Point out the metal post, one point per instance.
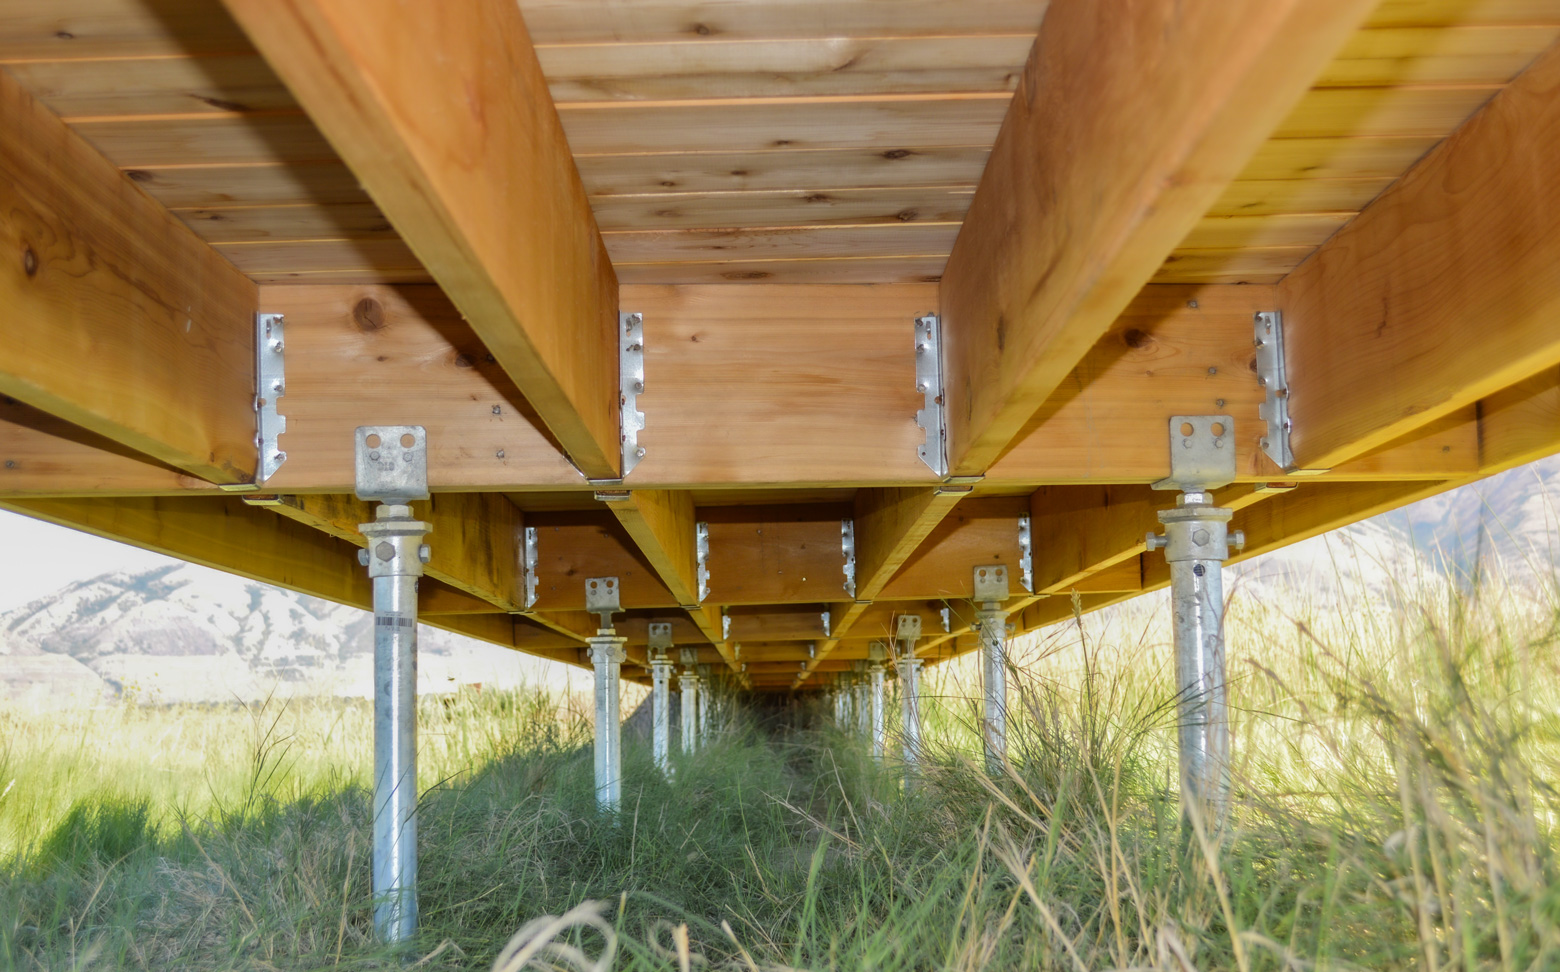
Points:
(705, 697)
(607, 654)
(392, 469)
(661, 694)
(908, 632)
(877, 655)
(991, 591)
(1196, 546)
(910, 708)
(1196, 542)
(688, 682)
(661, 711)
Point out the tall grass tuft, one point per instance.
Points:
(1394, 807)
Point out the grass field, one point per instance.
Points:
(1395, 808)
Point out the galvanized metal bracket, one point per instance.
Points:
(828, 623)
(947, 620)
(1268, 336)
(631, 379)
(391, 463)
(929, 382)
(1202, 453)
(908, 628)
(990, 584)
(848, 547)
(270, 385)
(701, 538)
(660, 634)
(528, 567)
(601, 598)
(1026, 555)
(725, 628)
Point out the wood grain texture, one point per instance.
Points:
(796, 207)
(802, 271)
(980, 531)
(250, 184)
(41, 455)
(1431, 110)
(662, 524)
(781, 243)
(767, 67)
(1066, 228)
(445, 117)
(1520, 424)
(117, 318)
(820, 170)
(1467, 235)
(885, 122)
(476, 538)
(205, 138)
(890, 525)
(411, 361)
(154, 85)
(1437, 55)
(598, 21)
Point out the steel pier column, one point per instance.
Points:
(877, 655)
(688, 683)
(1196, 546)
(991, 590)
(1196, 542)
(910, 709)
(392, 469)
(661, 711)
(607, 654)
(704, 705)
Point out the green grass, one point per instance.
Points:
(1395, 808)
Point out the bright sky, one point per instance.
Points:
(41, 558)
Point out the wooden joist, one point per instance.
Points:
(1067, 226)
(444, 116)
(117, 318)
(1443, 291)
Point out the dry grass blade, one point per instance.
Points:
(535, 945)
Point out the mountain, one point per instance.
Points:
(183, 633)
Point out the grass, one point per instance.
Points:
(1395, 807)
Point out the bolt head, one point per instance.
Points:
(1200, 537)
(385, 550)
(424, 553)
(363, 557)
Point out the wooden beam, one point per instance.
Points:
(890, 525)
(1441, 292)
(1126, 127)
(475, 542)
(661, 523)
(443, 114)
(118, 318)
(1520, 424)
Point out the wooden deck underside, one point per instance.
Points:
(780, 187)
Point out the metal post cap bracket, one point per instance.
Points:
(1202, 453)
(391, 463)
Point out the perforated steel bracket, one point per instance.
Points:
(660, 634)
(528, 567)
(1026, 555)
(601, 598)
(848, 546)
(391, 463)
(270, 385)
(725, 627)
(828, 622)
(947, 620)
(1202, 453)
(1268, 336)
(929, 382)
(908, 628)
(631, 378)
(991, 583)
(701, 535)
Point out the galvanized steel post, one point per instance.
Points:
(688, 683)
(606, 655)
(877, 656)
(661, 694)
(391, 468)
(991, 591)
(1196, 542)
(907, 633)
